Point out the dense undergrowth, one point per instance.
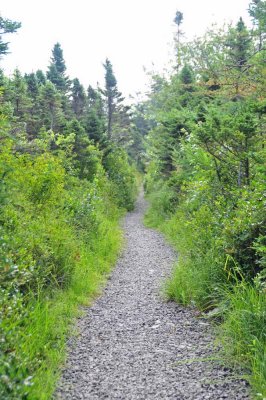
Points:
(59, 238)
(221, 265)
(206, 185)
(209, 275)
(65, 182)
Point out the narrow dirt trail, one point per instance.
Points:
(133, 345)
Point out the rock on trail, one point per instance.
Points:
(134, 345)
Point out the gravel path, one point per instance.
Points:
(133, 345)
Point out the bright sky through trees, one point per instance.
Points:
(132, 34)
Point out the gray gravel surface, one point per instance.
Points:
(134, 345)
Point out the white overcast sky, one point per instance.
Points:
(132, 33)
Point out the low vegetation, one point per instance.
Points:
(206, 184)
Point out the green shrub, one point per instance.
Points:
(199, 272)
(244, 230)
(123, 177)
(162, 200)
(59, 236)
(221, 264)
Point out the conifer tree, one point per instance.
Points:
(57, 69)
(6, 26)
(239, 45)
(186, 75)
(239, 52)
(40, 76)
(78, 98)
(178, 21)
(19, 94)
(32, 85)
(113, 96)
(257, 10)
(80, 146)
(51, 107)
(33, 91)
(95, 118)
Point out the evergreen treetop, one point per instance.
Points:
(6, 26)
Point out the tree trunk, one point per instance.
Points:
(110, 117)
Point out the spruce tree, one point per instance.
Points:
(78, 98)
(186, 75)
(95, 117)
(239, 51)
(33, 91)
(178, 21)
(32, 85)
(113, 96)
(6, 26)
(19, 94)
(57, 69)
(50, 102)
(257, 11)
(239, 45)
(40, 76)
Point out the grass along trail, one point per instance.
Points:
(134, 345)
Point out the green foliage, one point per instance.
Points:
(63, 188)
(193, 228)
(6, 26)
(94, 121)
(113, 100)
(206, 184)
(243, 333)
(140, 126)
(186, 75)
(57, 69)
(78, 98)
(163, 201)
(58, 237)
(257, 10)
(123, 177)
(239, 42)
(51, 112)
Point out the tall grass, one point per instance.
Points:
(243, 332)
(207, 276)
(59, 237)
(38, 329)
(197, 275)
(51, 320)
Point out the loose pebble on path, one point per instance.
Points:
(134, 345)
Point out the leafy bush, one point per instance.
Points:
(221, 265)
(219, 232)
(200, 272)
(123, 177)
(244, 230)
(58, 237)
